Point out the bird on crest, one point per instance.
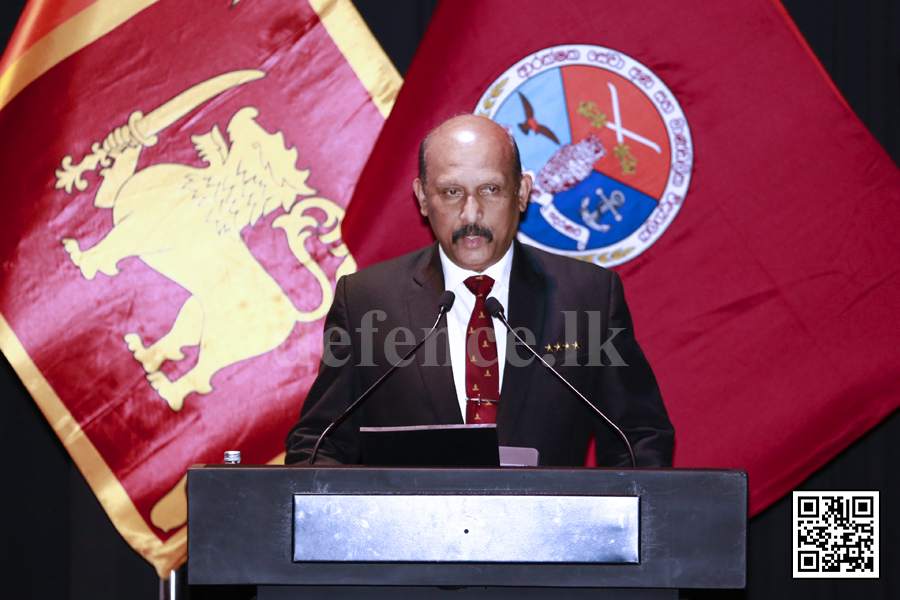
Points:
(531, 123)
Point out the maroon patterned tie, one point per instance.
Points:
(482, 370)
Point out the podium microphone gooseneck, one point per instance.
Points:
(444, 305)
(496, 309)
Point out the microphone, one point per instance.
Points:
(444, 305)
(496, 309)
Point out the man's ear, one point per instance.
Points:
(419, 191)
(524, 192)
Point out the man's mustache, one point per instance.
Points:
(473, 229)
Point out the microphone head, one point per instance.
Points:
(494, 307)
(446, 302)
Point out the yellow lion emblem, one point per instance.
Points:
(186, 222)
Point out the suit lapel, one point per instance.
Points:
(527, 305)
(423, 307)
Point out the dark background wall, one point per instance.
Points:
(57, 543)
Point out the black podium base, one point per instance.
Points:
(331, 592)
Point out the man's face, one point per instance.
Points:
(470, 197)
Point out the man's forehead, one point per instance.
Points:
(465, 153)
(450, 170)
(471, 165)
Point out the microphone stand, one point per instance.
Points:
(496, 309)
(446, 302)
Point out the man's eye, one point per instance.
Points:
(491, 189)
(453, 193)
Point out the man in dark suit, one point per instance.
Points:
(472, 191)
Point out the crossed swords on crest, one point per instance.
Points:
(616, 126)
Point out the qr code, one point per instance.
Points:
(836, 534)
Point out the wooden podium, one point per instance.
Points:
(460, 534)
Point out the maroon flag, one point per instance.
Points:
(704, 154)
(176, 174)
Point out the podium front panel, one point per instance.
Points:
(692, 525)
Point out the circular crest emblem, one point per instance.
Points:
(606, 143)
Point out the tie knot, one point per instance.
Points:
(480, 285)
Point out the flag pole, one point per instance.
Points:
(173, 587)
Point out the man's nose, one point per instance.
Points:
(471, 209)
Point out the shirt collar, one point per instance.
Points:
(455, 275)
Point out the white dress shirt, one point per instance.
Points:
(461, 312)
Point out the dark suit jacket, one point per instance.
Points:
(535, 410)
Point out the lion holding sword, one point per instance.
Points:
(185, 223)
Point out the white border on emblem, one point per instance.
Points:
(680, 142)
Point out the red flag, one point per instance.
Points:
(176, 174)
(705, 155)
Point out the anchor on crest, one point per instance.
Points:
(611, 203)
